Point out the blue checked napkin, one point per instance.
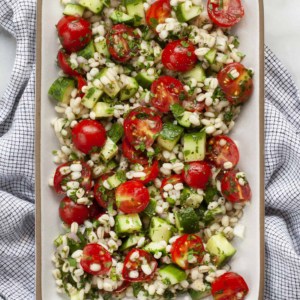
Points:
(17, 275)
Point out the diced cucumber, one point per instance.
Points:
(210, 193)
(76, 296)
(190, 198)
(130, 242)
(194, 146)
(91, 97)
(197, 73)
(116, 179)
(212, 214)
(115, 132)
(150, 209)
(101, 48)
(126, 224)
(217, 66)
(87, 52)
(155, 247)
(169, 136)
(181, 115)
(130, 88)
(186, 220)
(109, 150)
(160, 230)
(110, 166)
(135, 8)
(198, 295)
(184, 13)
(61, 89)
(210, 56)
(74, 10)
(172, 274)
(220, 249)
(120, 17)
(103, 110)
(93, 5)
(144, 79)
(112, 88)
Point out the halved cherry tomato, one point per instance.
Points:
(74, 33)
(237, 90)
(179, 56)
(166, 91)
(95, 210)
(173, 179)
(141, 127)
(187, 251)
(81, 82)
(193, 105)
(158, 12)
(133, 155)
(102, 195)
(197, 174)
(222, 149)
(61, 180)
(122, 42)
(95, 260)
(232, 189)
(70, 212)
(64, 63)
(125, 284)
(225, 13)
(132, 197)
(134, 261)
(87, 135)
(229, 286)
(151, 171)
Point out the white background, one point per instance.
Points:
(282, 25)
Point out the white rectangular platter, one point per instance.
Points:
(248, 133)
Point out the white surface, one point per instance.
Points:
(282, 27)
(247, 260)
(7, 58)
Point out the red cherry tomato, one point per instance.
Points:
(88, 134)
(232, 189)
(166, 91)
(70, 212)
(173, 179)
(229, 286)
(74, 33)
(187, 251)
(101, 194)
(237, 90)
(132, 197)
(134, 261)
(95, 260)
(158, 12)
(61, 179)
(133, 155)
(193, 105)
(122, 288)
(197, 174)
(95, 211)
(151, 171)
(122, 42)
(222, 149)
(81, 82)
(64, 63)
(179, 56)
(141, 127)
(225, 13)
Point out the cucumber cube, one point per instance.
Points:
(127, 224)
(172, 274)
(194, 146)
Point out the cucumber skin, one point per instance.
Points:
(59, 87)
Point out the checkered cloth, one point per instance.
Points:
(17, 169)
(17, 156)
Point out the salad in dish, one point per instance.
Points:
(152, 195)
